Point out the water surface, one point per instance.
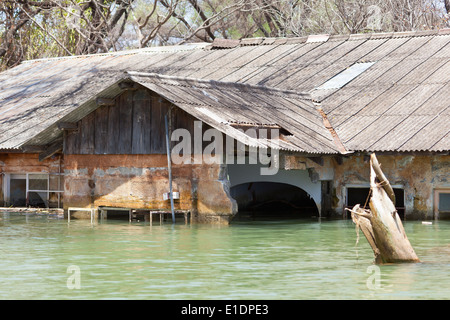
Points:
(290, 259)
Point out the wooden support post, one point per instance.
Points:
(169, 165)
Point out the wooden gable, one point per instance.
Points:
(132, 124)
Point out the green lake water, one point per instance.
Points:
(43, 258)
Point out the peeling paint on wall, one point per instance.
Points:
(418, 174)
(139, 181)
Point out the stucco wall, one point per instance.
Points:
(139, 181)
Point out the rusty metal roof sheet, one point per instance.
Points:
(409, 77)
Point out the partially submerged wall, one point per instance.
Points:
(417, 174)
(139, 181)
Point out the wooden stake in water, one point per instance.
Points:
(169, 166)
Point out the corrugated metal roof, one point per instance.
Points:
(221, 104)
(410, 77)
(392, 106)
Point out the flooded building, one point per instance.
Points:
(279, 126)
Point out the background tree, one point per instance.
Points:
(36, 29)
(48, 28)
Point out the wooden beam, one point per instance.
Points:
(51, 150)
(105, 102)
(127, 85)
(32, 149)
(68, 126)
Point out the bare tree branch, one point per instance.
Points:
(202, 15)
(47, 32)
(32, 28)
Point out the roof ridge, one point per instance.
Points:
(158, 49)
(303, 95)
(220, 43)
(232, 43)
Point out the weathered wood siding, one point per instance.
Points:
(133, 125)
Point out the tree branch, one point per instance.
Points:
(47, 32)
(202, 15)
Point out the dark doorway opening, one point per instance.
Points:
(272, 200)
(361, 196)
(18, 193)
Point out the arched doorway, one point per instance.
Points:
(288, 193)
(272, 200)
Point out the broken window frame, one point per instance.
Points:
(27, 175)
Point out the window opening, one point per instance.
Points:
(34, 189)
(360, 195)
(442, 204)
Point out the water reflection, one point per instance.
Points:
(292, 259)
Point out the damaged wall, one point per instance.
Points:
(139, 181)
(116, 158)
(418, 174)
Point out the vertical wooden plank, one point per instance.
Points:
(72, 141)
(113, 128)
(157, 125)
(87, 134)
(172, 121)
(141, 143)
(101, 130)
(186, 121)
(64, 148)
(125, 123)
(147, 132)
(68, 142)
